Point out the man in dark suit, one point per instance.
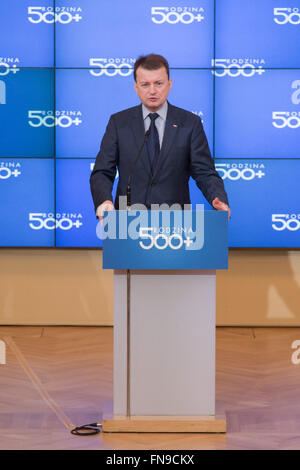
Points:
(174, 148)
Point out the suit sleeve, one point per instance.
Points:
(104, 172)
(202, 166)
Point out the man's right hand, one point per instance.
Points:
(105, 206)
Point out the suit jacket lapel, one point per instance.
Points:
(171, 129)
(138, 128)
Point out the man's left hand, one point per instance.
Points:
(221, 206)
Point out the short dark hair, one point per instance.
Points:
(151, 62)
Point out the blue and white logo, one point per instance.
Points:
(238, 67)
(283, 16)
(38, 118)
(112, 67)
(159, 229)
(9, 65)
(10, 169)
(165, 239)
(289, 222)
(235, 171)
(51, 221)
(49, 15)
(174, 15)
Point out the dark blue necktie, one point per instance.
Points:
(153, 141)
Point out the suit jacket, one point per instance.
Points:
(184, 153)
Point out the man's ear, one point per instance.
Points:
(170, 82)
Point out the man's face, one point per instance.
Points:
(152, 87)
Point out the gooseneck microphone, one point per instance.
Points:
(128, 190)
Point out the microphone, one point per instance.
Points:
(128, 190)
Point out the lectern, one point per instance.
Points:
(164, 318)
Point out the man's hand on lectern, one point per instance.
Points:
(105, 206)
(221, 206)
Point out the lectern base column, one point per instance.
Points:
(164, 352)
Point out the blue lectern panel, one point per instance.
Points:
(82, 116)
(76, 220)
(26, 113)
(258, 116)
(120, 31)
(264, 200)
(165, 240)
(258, 30)
(27, 202)
(27, 33)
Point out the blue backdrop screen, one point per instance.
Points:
(67, 65)
(115, 33)
(264, 200)
(258, 116)
(74, 208)
(27, 113)
(258, 33)
(27, 33)
(27, 209)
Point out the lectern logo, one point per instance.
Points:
(161, 228)
(175, 15)
(289, 222)
(2, 352)
(284, 16)
(63, 15)
(162, 239)
(112, 66)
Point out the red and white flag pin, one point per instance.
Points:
(175, 125)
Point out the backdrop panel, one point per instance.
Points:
(107, 34)
(258, 116)
(76, 220)
(27, 113)
(27, 202)
(258, 32)
(27, 33)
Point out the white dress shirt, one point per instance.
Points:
(160, 122)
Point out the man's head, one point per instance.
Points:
(152, 82)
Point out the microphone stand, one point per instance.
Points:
(128, 189)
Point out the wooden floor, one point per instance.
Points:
(56, 377)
